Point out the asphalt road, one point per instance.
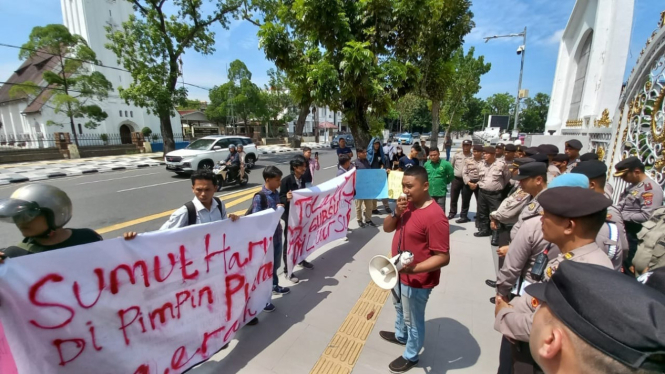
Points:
(142, 200)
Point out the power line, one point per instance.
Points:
(50, 88)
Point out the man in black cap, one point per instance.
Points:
(471, 175)
(550, 150)
(638, 201)
(573, 148)
(499, 151)
(612, 236)
(593, 320)
(531, 151)
(509, 153)
(457, 185)
(590, 156)
(571, 219)
(561, 162)
(519, 152)
(494, 176)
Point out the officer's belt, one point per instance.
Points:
(491, 192)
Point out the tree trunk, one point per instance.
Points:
(359, 128)
(434, 139)
(300, 126)
(167, 132)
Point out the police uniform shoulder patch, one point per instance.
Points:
(648, 198)
(521, 196)
(568, 256)
(532, 206)
(609, 216)
(535, 303)
(647, 186)
(634, 192)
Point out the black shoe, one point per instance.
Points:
(401, 365)
(491, 283)
(375, 211)
(482, 233)
(493, 299)
(388, 210)
(370, 223)
(225, 346)
(361, 224)
(463, 220)
(452, 215)
(306, 265)
(390, 336)
(253, 322)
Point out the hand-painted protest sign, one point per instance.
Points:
(395, 184)
(160, 303)
(319, 215)
(371, 184)
(7, 364)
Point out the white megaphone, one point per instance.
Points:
(384, 271)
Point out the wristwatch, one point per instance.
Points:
(392, 214)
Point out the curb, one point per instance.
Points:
(69, 173)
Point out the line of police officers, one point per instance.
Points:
(513, 203)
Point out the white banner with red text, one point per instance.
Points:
(158, 304)
(319, 215)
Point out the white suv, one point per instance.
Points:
(204, 153)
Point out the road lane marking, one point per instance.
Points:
(114, 179)
(329, 167)
(122, 225)
(153, 185)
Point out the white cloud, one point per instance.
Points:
(556, 37)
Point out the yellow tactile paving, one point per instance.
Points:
(346, 345)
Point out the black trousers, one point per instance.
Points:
(456, 187)
(523, 362)
(441, 200)
(286, 245)
(632, 229)
(505, 357)
(488, 201)
(467, 192)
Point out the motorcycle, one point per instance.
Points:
(223, 176)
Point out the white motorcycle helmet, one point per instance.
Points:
(29, 201)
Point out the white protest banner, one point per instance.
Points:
(158, 304)
(319, 215)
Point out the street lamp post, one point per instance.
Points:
(521, 50)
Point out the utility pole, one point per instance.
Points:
(521, 50)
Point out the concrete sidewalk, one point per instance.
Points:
(330, 321)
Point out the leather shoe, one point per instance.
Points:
(452, 215)
(493, 299)
(482, 233)
(490, 283)
(463, 220)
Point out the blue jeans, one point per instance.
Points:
(447, 154)
(410, 322)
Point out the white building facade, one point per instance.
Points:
(321, 115)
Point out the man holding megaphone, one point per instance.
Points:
(421, 231)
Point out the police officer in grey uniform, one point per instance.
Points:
(470, 177)
(494, 176)
(509, 153)
(456, 187)
(573, 147)
(576, 242)
(612, 236)
(561, 162)
(637, 202)
(550, 150)
(500, 147)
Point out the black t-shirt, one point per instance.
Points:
(405, 162)
(78, 237)
(307, 177)
(377, 163)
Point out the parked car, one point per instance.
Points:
(425, 137)
(405, 138)
(204, 153)
(349, 141)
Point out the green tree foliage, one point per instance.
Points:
(278, 101)
(190, 105)
(473, 118)
(501, 104)
(72, 86)
(407, 107)
(151, 43)
(534, 115)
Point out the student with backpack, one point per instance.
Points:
(268, 198)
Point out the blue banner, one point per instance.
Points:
(371, 184)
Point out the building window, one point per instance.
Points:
(110, 15)
(126, 114)
(120, 78)
(80, 129)
(131, 114)
(120, 113)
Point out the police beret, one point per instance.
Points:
(521, 161)
(629, 164)
(510, 148)
(589, 156)
(491, 150)
(561, 157)
(478, 147)
(500, 145)
(574, 144)
(611, 312)
(569, 180)
(541, 157)
(467, 142)
(548, 149)
(592, 169)
(572, 202)
(530, 169)
(520, 148)
(531, 151)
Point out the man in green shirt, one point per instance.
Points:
(439, 173)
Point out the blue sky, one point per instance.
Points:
(545, 20)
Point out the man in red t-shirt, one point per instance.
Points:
(421, 227)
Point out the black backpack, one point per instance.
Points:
(191, 211)
(264, 203)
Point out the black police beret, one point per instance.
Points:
(572, 202)
(574, 144)
(467, 142)
(500, 145)
(510, 147)
(530, 169)
(520, 148)
(541, 157)
(548, 149)
(521, 161)
(531, 151)
(592, 169)
(611, 312)
(589, 156)
(561, 157)
(491, 150)
(478, 147)
(629, 164)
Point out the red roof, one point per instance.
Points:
(31, 70)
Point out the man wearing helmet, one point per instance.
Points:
(40, 211)
(233, 162)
